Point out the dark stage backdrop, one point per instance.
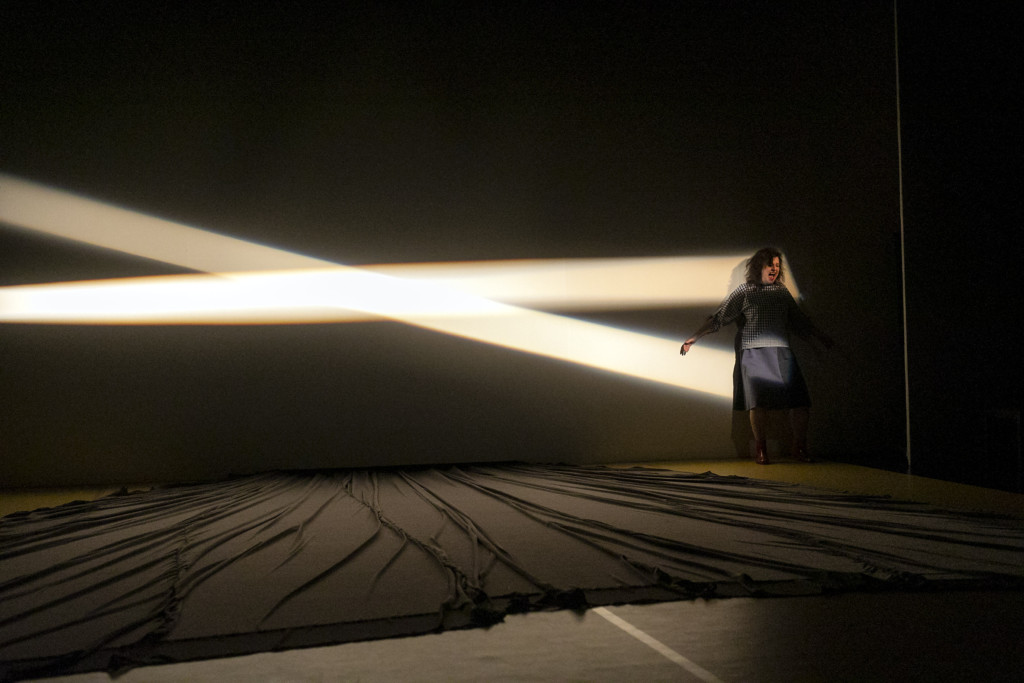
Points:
(376, 134)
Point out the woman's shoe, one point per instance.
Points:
(762, 453)
(800, 453)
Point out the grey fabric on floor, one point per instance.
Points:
(285, 560)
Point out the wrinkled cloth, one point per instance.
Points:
(282, 560)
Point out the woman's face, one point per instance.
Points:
(770, 272)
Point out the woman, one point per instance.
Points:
(767, 376)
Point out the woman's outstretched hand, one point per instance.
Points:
(686, 346)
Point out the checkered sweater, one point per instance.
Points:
(764, 313)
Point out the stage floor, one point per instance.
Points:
(909, 637)
(934, 636)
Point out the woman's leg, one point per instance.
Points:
(758, 424)
(798, 420)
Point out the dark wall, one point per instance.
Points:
(960, 69)
(376, 135)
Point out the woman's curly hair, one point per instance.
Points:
(759, 260)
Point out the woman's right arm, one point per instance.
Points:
(707, 328)
(727, 312)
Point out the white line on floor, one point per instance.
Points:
(660, 647)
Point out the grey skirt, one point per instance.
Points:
(768, 378)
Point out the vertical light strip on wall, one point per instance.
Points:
(903, 238)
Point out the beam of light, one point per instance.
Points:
(208, 299)
(63, 214)
(586, 284)
(430, 305)
(306, 295)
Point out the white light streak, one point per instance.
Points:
(316, 295)
(658, 646)
(63, 214)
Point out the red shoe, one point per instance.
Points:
(762, 453)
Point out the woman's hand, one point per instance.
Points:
(686, 346)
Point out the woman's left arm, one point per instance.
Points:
(806, 329)
(819, 334)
